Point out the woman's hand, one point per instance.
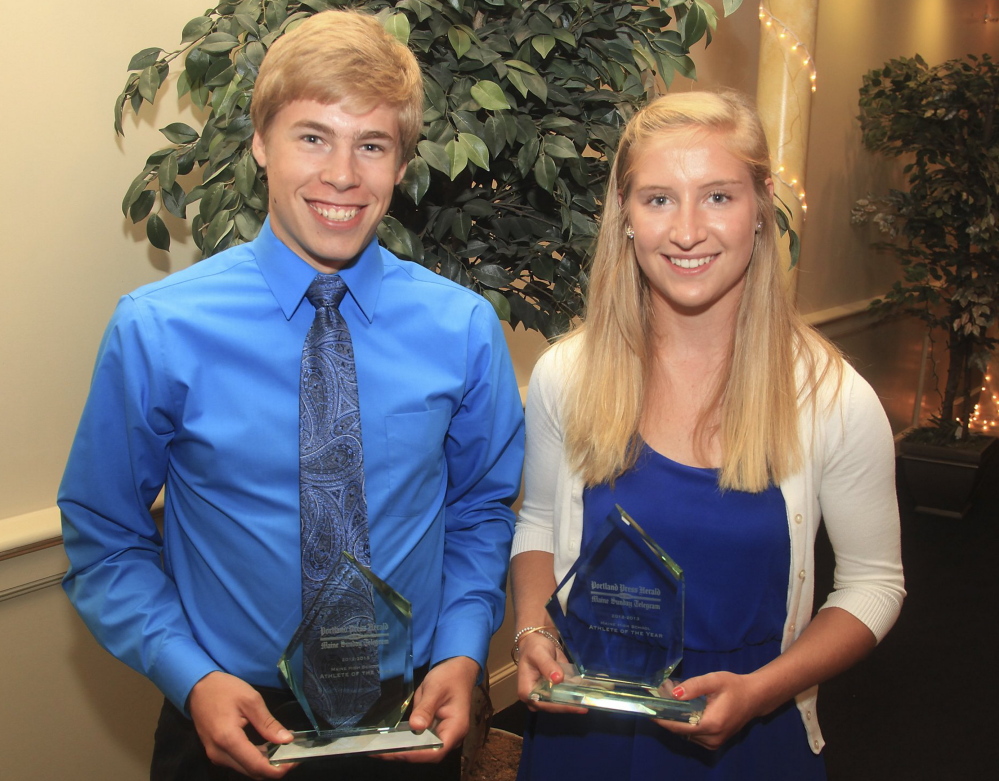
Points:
(733, 700)
(540, 659)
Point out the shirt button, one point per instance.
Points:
(801, 575)
(798, 518)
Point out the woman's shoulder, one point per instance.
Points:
(828, 378)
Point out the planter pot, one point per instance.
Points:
(944, 479)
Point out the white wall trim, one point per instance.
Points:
(21, 534)
(844, 319)
(503, 686)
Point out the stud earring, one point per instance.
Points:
(759, 226)
(629, 232)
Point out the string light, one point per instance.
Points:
(800, 52)
(785, 33)
(985, 416)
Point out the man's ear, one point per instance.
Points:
(402, 171)
(259, 150)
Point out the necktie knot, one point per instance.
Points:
(326, 290)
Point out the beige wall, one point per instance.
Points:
(68, 254)
(838, 268)
(68, 709)
(853, 37)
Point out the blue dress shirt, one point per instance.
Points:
(196, 388)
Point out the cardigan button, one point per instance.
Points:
(808, 715)
(798, 518)
(790, 629)
(816, 744)
(801, 575)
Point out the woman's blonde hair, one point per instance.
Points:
(758, 394)
(338, 56)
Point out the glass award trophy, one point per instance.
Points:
(619, 610)
(352, 678)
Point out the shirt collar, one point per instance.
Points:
(288, 276)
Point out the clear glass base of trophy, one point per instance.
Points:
(618, 696)
(314, 745)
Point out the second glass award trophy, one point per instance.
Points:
(353, 678)
(619, 610)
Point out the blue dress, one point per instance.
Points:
(734, 550)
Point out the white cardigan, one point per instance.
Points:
(848, 480)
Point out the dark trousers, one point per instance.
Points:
(178, 754)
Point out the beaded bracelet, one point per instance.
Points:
(541, 630)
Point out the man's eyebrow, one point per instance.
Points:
(364, 135)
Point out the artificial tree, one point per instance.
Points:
(525, 101)
(944, 227)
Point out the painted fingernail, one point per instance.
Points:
(678, 692)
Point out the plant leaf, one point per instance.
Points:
(246, 174)
(559, 146)
(543, 44)
(456, 157)
(219, 43)
(490, 96)
(174, 201)
(461, 42)
(475, 149)
(149, 83)
(435, 155)
(168, 171)
(416, 181)
(157, 233)
(179, 133)
(137, 186)
(545, 172)
(198, 27)
(217, 229)
(399, 240)
(144, 59)
(141, 206)
(248, 223)
(490, 275)
(499, 302)
(397, 25)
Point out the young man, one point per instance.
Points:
(197, 389)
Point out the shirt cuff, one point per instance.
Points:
(178, 668)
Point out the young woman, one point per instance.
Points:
(695, 397)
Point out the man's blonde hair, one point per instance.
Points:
(345, 56)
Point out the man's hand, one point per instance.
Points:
(221, 706)
(445, 696)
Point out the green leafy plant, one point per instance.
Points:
(942, 229)
(525, 101)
